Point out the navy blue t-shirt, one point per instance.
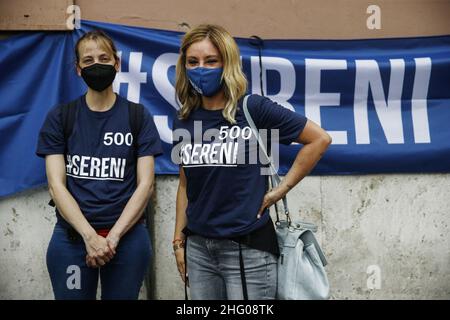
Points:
(225, 193)
(101, 158)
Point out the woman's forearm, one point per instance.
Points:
(65, 202)
(70, 211)
(133, 210)
(136, 205)
(181, 220)
(181, 205)
(305, 161)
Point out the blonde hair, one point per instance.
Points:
(234, 81)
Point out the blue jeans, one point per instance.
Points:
(121, 278)
(214, 271)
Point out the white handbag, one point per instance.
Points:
(301, 272)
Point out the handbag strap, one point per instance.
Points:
(308, 228)
(275, 178)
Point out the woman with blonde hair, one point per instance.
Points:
(222, 219)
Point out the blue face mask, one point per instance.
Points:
(206, 81)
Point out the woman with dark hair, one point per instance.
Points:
(99, 153)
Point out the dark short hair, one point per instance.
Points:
(96, 35)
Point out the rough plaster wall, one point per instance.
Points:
(397, 223)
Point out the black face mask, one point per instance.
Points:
(98, 76)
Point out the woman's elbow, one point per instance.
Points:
(151, 188)
(51, 191)
(326, 139)
(56, 191)
(147, 186)
(323, 140)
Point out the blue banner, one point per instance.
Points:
(385, 102)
